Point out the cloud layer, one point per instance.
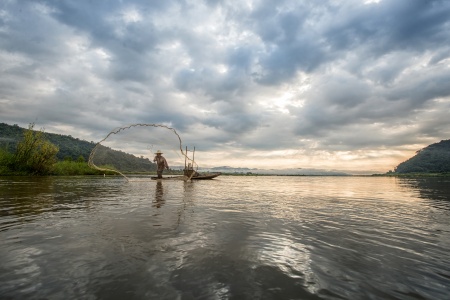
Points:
(350, 85)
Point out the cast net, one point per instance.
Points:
(130, 150)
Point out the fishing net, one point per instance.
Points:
(130, 150)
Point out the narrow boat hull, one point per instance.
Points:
(197, 177)
(205, 176)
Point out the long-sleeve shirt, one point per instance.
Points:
(161, 162)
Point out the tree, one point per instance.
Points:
(34, 154)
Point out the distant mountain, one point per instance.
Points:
(73, 148)
(434, 158)
(291, 171)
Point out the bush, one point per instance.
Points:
(5, 161)
(34, 154)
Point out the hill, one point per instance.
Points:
(434, 158)
(69, 147)
(122, 161)
(72, 148)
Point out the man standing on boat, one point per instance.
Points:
(161, 163)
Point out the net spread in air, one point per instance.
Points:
(131, 149)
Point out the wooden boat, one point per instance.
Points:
(197, 176)
(193, 174)
(200, 176)
(168, 178)
(189, 172)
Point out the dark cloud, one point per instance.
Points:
(259, 75)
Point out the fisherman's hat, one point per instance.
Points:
(159, 152)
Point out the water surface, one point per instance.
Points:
(229, 238)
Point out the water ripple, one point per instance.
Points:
(234, 237)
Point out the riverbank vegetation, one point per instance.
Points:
(69, 168)
(35, 155)
(70, 159)
(71, 148)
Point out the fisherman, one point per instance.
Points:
(161, 163)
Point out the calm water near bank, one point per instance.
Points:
(227, 238)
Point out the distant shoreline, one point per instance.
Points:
(92, 172)
(412, 175)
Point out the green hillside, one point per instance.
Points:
(10, 136)
(434, 158)
(72, 148)
(122, 161)
(69, 147)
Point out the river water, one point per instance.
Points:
(233, 237)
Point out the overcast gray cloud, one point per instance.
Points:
(343, 84)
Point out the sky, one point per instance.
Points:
(351, 85)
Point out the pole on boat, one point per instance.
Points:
(185, 156)
(193, 152)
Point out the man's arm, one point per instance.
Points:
(165, 162)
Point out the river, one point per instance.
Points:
(234, 237)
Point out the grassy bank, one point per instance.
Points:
(70, 168)
(58, 168)
(67, 168)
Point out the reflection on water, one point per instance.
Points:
(159, 194)
(229, 238)
(435, 189)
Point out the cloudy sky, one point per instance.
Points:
(354, 85)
